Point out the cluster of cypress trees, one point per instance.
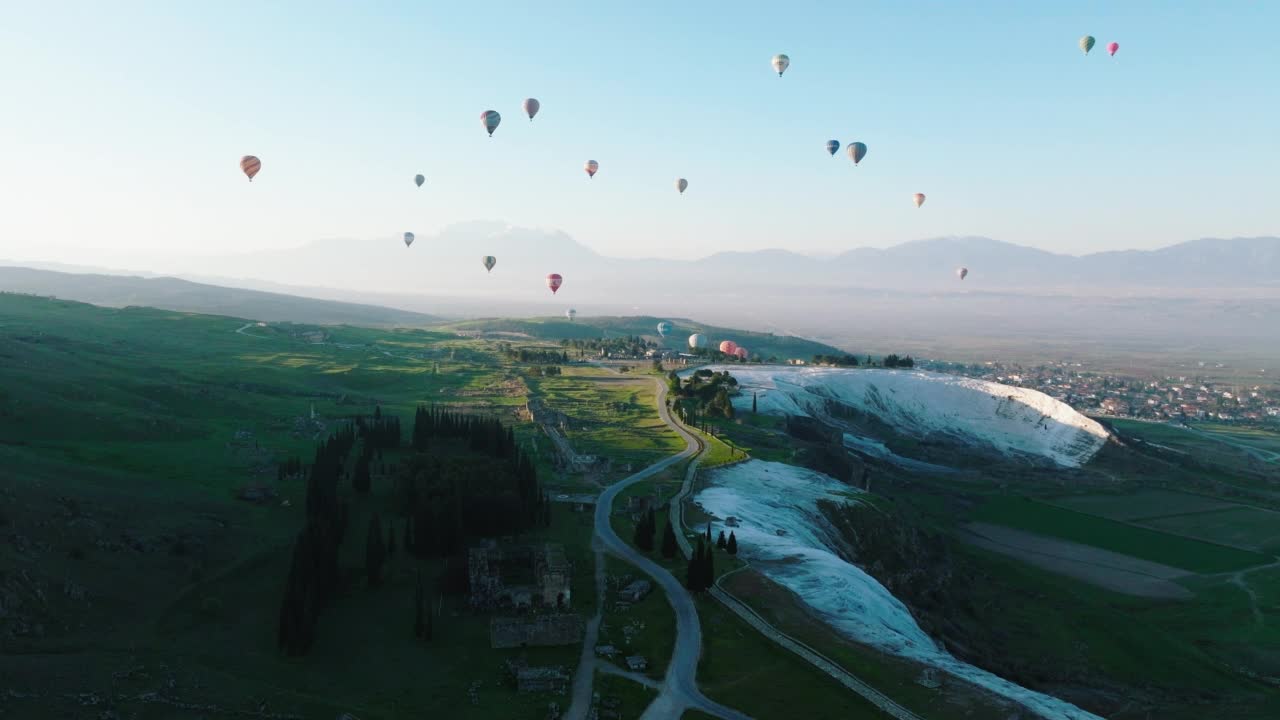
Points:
(288, 468)
(643, 537)
(700, 574)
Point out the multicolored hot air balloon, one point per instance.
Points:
(833, 147)
(697, 340)
(664, 328)
(857, 151)
(554, 281)
(489, 261)
(490, 120)
(531, 107)
(1112, 47)
(419, 179)
(591, 166)
(728, 347)
(571, 314)
(250, 165)
(1086, 43)
(408, 239)
(962, 273)
(781, 63)
(681, 184)
(919, 199)
(741, 352)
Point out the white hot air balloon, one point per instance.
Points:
(781, 63)
(408, 239)
(697, 341)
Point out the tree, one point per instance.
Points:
(408, 535)
(668, 541)
(691, 573)
(377, 412)
(708, 532)
(644, 531)
(419, 619)
(374, 552)
(731, 547)
(720, 541)
(391, 538)
(709, 570)
(362, 481)
(753, 403)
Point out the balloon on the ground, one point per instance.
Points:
(857, 151)
(489, 261)
(728, 347)
(697, 340)
(962, 273)
(664, 328)
(781, 63)
(591, 166)
(554, 281)
(681, 184)
(408, 239)
(1086, 43)
(833, 147)
(531, 106)
(250, 165)
(571, 314)
(490, 120)
(918, 198)
(419, 179)
(1112, 47)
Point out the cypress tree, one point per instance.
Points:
(720, 541)
(753, 403)
(709, 570)
(408, 535)
(708, 532)
(374, 552)
(419, 623)
(430, 624)
(391, 538)
(732, 546)
(691, 574)
(668, 541)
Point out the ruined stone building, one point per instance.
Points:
(521, 577)
(536, 630)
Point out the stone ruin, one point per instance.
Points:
(536, 631)
(519, 577)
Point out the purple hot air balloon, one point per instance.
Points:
(1112, 47)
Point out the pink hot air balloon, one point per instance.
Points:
(1112, 47)
(728, 347)
(591, 166)
(554, 281)
(741, 352)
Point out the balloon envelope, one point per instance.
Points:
(531, 106)
(919, 199)
(833, 147)
(418, 180)
(664, 328)
(408, 239)
(781, 63)
(697, 340)
(250, 165)
(681, 184)
(571, 313)
(962, 272)
(1112, 48)
(489, 261)
(490, 120)
(857, 151)
(554, 281)
(741, 352)
(728, 347)
(1086, 43)
(591, 166)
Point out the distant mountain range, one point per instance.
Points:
(180, 295)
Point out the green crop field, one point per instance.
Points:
(1244, 527)
(1142, 504)
(1044, 519)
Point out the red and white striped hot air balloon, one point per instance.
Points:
(554, 281)
(250, 165)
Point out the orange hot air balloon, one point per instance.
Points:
(250, 165)
(728, 347)
(554, 281)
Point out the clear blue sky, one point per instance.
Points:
(122, 123)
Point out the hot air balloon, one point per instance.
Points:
(857, 151)
(664, 328)
(419, 179)
(919, 198)
(1086, 43)
(489, 261)
(250, 165)
(554, 281)
(728, 347)
(1112, 47)
(962, 273)
(833, 147)
(697, 340)
(408, 239)
(531, 106)
(741, 352)
(490, 120)
(781, 63)
(571, 314)
(681, 184)
(591, 166)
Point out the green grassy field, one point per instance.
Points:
(1130, 506)
(1243, 527)
(1045, 519)
(1262, 439)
